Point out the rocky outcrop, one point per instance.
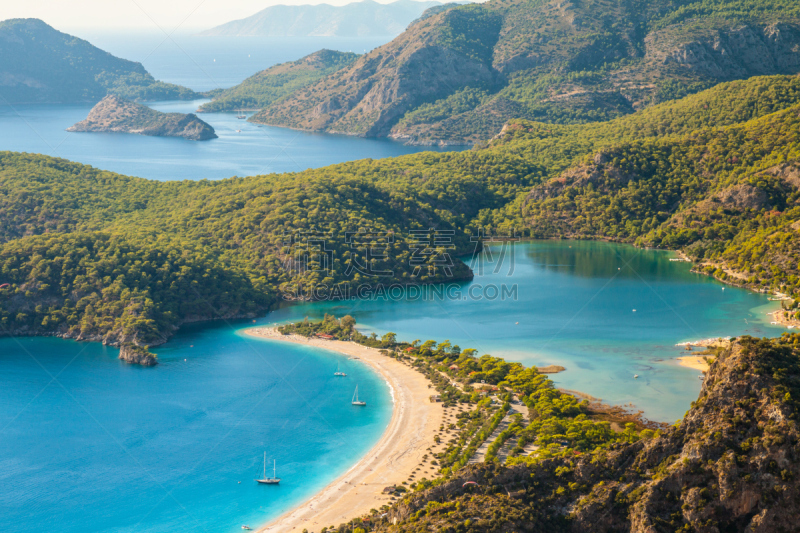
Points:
(115, 114)
(731, 465)
(599, 174)
(742, 196)
(729, 53)
(788, 173)
(137, 355)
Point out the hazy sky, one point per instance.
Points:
(141, 14)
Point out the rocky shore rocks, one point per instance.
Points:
(137, 355)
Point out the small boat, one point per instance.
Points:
(248, 528)
(241, 115)
(636, 376)
(356, 400)
(268, 480)
(339, 372)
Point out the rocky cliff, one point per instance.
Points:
(137, 355)
(731, 465)
(457, 76)
(115, 114)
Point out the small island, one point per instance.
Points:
(137, 355)
(116, 114)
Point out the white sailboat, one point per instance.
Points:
(356, 400)
(268, 480)
(339, 372)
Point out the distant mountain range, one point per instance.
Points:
(457, 76)
(359, 19)
(39, 64)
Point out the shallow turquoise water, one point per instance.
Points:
(575, 307)
(90, 444)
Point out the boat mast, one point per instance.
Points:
(264, 475)
(274, 472)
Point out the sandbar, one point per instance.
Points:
(410, 433)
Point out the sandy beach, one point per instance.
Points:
(415, 420)
(781, 318)
(694, 361)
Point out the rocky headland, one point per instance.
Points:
(115, 114)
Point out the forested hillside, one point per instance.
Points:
(39, 64)
(268, 86)
(459, 75)
(714, 174)
(729, 465)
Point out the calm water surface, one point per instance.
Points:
(201, 63)
(604, 311)
(242, 149)
(90, 444)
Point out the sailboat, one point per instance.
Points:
(355, 399)
(339, 372)
(241, 114)
(268, 480)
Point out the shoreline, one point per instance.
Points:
(779, 318)
(700, 361)
(397, 456)
(393, 459)
(696, 362)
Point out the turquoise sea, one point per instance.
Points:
(604, 311)
(89, 444)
